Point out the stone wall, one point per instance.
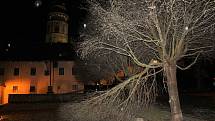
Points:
(37, 98)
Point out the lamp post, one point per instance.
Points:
(49, 69)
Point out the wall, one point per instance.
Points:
(61, 83)
(37, 98)
(1, 94)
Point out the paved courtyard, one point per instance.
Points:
(199, 111)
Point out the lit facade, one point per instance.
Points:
(34, 77)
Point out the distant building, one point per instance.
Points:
(41, 69)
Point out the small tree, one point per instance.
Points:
(154, 35)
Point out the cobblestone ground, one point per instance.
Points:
(65, 112)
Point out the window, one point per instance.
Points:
(46, 72)
(74, 87)
(63, 28)
(33, 71)
(16, 72)
(74, 72)
(1, 71)
(15, 89)
(32, 89)
(55, 64)
(61, 71)
(58, 87)
(56, 28)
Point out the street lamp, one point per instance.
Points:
(85, 25)
(38, 3)
(50, 88)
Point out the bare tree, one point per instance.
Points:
(154, 35)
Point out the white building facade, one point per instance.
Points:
(35, 77)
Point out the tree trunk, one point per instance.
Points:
(176, 113)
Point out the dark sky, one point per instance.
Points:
(22, 21)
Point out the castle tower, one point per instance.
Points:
(57, 25)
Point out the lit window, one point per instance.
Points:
(15, 88)
(33, 71)
(61, 71)
(74, 87)
(1, 71)
(32, 89)
(16, 72)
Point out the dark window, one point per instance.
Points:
(74, 87)
(15, 88)
(32, 89)
(55, 64)
(56, 28)
(16, 71)
(33, 71)
(61, 71)
(63, 28)
(58, 87)
(50, 39)
(74, 72)
(46, 72)
(1, 71)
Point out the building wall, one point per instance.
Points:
(21, 84)
(1, 94)
(56, 38)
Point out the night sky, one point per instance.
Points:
(23, 22)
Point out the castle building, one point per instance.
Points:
(42, 69)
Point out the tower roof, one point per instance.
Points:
(57, 10)
(58, 6)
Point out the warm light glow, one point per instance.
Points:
(155, 61)
(21, 86)
(104, 82)
(120, 74)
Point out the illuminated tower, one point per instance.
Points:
(57, 25)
